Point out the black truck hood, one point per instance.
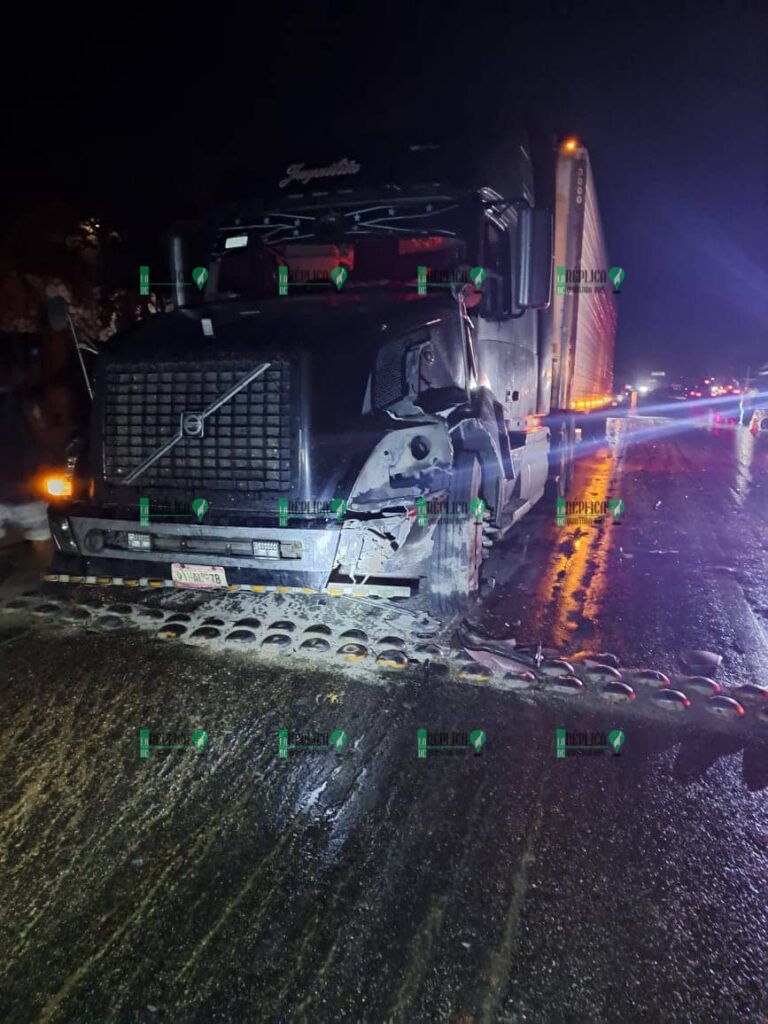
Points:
(336, 341)
(241, 328)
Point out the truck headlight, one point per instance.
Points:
(140, 541)
(95, 541)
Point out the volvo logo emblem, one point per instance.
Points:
(192, 424)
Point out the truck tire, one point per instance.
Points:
(457, 554)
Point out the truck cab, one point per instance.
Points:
(350, 404)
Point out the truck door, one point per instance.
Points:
(506, 341)
(496, 360)
(497, 261)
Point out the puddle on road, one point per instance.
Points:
(564, 584)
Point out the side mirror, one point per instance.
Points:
(58, 314)
(534, 258)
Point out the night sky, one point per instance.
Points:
(142, 120)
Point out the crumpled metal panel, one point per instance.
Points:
(392, 473)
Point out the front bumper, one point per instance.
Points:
(304, 558)
(386, 590)
(96, 546)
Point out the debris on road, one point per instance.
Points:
(373, 637)
(701, 662)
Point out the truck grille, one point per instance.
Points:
(247, 444)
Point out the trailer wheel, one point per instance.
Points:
(457, 555)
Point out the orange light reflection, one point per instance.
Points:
(572, 586)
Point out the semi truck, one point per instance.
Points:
(367, 382)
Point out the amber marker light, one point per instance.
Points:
(57, 485)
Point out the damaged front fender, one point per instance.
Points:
(405, 464)
(392, 546)
(380, 535)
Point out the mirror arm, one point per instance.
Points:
(504, 204)
(80, 357)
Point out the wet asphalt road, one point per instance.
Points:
(373, 886)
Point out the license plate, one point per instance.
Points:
(198, 577)
(266, 549)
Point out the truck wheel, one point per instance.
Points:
(457, 555)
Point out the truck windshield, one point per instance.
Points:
(338, 253)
